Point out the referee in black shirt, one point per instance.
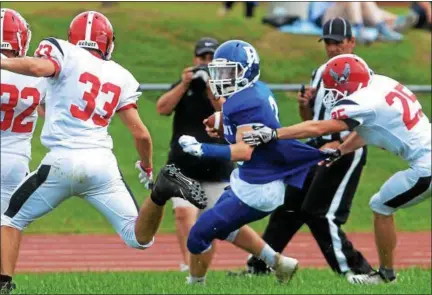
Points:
(324, 202)
(192, 101)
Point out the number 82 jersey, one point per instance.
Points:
(85, 92)
(20, 97)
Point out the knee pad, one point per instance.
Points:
(129, 238)
(197, 242)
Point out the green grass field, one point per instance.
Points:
(307, 281)
(155, 41)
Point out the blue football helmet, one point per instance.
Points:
(235, 66)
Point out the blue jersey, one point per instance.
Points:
(283, 159)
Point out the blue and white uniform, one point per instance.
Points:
(260, 181)
(257, 186)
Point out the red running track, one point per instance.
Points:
(65, 253)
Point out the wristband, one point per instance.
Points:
(216, 151)
(146, 170)
(275, 135)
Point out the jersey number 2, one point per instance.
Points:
(90, 98)
(8, 108)
(274, 107)
(404, 95)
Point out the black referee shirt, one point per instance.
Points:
(319, 110)
(189, 114)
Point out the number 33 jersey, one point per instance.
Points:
(386, 114)
(85, 93)
(20, 97)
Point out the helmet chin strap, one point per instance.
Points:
(20, 50)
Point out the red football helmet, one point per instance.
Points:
(92, 30)
(15, 32)
(343, 75)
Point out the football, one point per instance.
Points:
(215, 121)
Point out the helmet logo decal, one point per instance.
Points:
(252, 56)
(345, 74)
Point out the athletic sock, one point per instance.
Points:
(388, 273)
(156, 200)
(268, 255)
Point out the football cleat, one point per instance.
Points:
(254, 267)
(171, 182)
(286, 268)
(373, 278)
(7, 287)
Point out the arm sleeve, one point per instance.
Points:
(130, 94)
(352, 113)
(51, 49)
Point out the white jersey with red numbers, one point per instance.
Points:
(20, 96)
(86, 92)
(386, 114)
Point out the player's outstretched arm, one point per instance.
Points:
(239, 151)
(311, 129)
(139, 131)
(353, 142)
(261, 134)
(29, 66)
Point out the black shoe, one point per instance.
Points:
(254, 266)
(6, 288)
(170, 182)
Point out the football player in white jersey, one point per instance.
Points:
(20, 98)
(383, 113)
(86, 89)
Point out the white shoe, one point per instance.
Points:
(195, 281)
(285, 268)
(374, 278)
(184, 267)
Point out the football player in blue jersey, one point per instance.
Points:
(257, 186)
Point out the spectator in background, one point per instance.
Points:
(360, 14)
(419, 17)
(249, 8)
(107, 4)
(192, 101)
(317, 11)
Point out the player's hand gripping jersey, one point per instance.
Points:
(386, 114)
(85, 93)
(284, 159)
(20, 97)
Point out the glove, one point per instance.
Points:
(190, 145)
(333, 156)
(145, 176)
(261, 134)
